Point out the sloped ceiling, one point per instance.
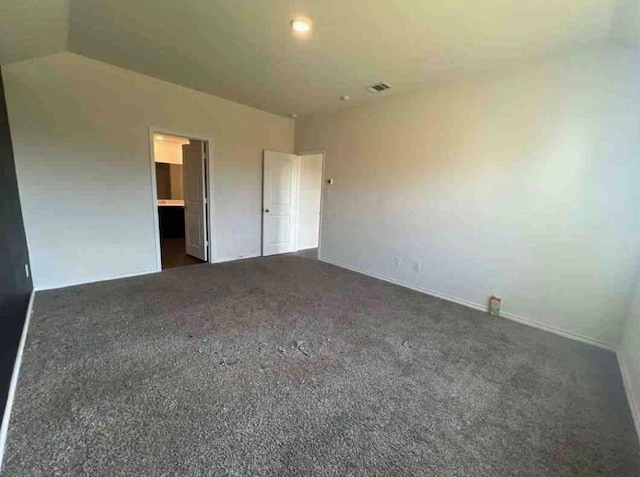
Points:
(244, 50)
(30, 28)
(627, 24)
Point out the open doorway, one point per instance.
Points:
(309, 204)
(292, 203)
(180, 171)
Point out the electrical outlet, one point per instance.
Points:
(494, 305)
(397, 261)
(416, 266)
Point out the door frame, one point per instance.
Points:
(210, 216)
(323, 153)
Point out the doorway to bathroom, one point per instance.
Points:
(180, 180)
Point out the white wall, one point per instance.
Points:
(167, 151)
(81, 141)
(309, 200)
(629, 355)
(522, 183)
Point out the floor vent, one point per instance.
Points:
(378, 87)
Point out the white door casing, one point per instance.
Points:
(195, 205)
(279, 202)
(309, 200)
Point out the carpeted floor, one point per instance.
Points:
(289, 366)
(307, 253)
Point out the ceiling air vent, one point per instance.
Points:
(378, 87)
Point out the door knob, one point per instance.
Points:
(266, 211)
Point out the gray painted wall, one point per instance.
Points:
(15, 286)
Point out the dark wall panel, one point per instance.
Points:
(15, 286)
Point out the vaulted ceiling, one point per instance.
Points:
(245, 51)
(30, 28)
(626, 28)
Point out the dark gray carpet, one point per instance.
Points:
(289, 366)
(308, 253)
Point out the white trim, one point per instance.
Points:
(13, 386)
(559, 331)
(323, 186)
(209, 186)
(154, 200)
(233, 259)
(626, 381)
(296, 247)
(94, 280)
(477, 306)
(296, 208)
(210, 202)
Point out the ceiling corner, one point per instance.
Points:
(32, 28)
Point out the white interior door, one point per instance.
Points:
(195, 204)
(279, 203)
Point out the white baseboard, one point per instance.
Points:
(94, 280)
(478, 306)
(559, 331)
(4, 430)
(633, 403)
(233, 259)
(305, 247)
(130, 275)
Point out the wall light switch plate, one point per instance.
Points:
(397, 261)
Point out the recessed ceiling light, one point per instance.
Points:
(301, 25)
(293, 115)
(345, 98)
